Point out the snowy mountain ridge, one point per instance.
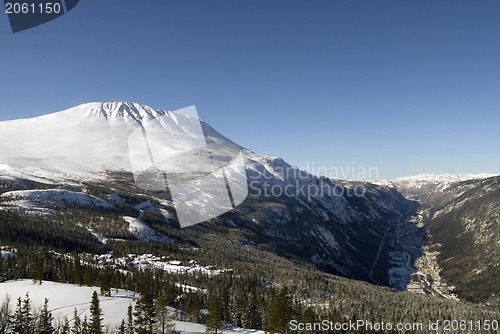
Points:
(85, 141)
(318, 219)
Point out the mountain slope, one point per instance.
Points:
(85, 141)
(463, 220)
(342, 227)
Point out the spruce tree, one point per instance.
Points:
(122, 327)
(5, 315)
(105, 281)
(214, 318)
(130, 321)
(88, 277)
(251, 317)
(163, 317)
(85, 326)
(280, 312)
(45, 320)
(95, 325)
(64, 328)
(145, 310)
(22, 319)
(76, 328)
(77, 271)
(39, 271)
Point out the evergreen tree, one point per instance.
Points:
(121, 328)
(214, 318)
(130, 321)
(39, 271)
(145, 310)
(85, 326)
(251, 317)
(76, 328)
(165, 322)
(45, 320)
(88, 277)
(22, 319)
(280, 312)
(64, 328)
(193, 305)
(77, 271)
(95, 325)
(5, 315)
(105, 281)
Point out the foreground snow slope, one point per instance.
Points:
(64, 298)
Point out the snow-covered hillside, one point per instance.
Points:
(100, 143)
(441, 180)
(85, 141)
(43, 200)
(65, 298)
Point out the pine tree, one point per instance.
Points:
(77, 271)
(165, 322)
(280, 312)
(121, 328)
(45, 320)
(85, 326)
(214, 318)
(39, 271)
(4, 315)
(130, 321)
(22, 319)
(88, 277)
(105, 281)
(29, 322)
(77, 323)
(145, 311)
(95, 325)
(193, 305)
(64, 328)
(251, 317)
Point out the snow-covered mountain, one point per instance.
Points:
(86, 141)
(343, 227)
(439, 182)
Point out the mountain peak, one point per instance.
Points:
(135, 111)
(95, 137)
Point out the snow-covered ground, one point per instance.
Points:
(144, 232)
(145, 261)
(42, 201)
(64, 298)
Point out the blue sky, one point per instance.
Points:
(405, 86)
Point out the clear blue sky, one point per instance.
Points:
(405, 86)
